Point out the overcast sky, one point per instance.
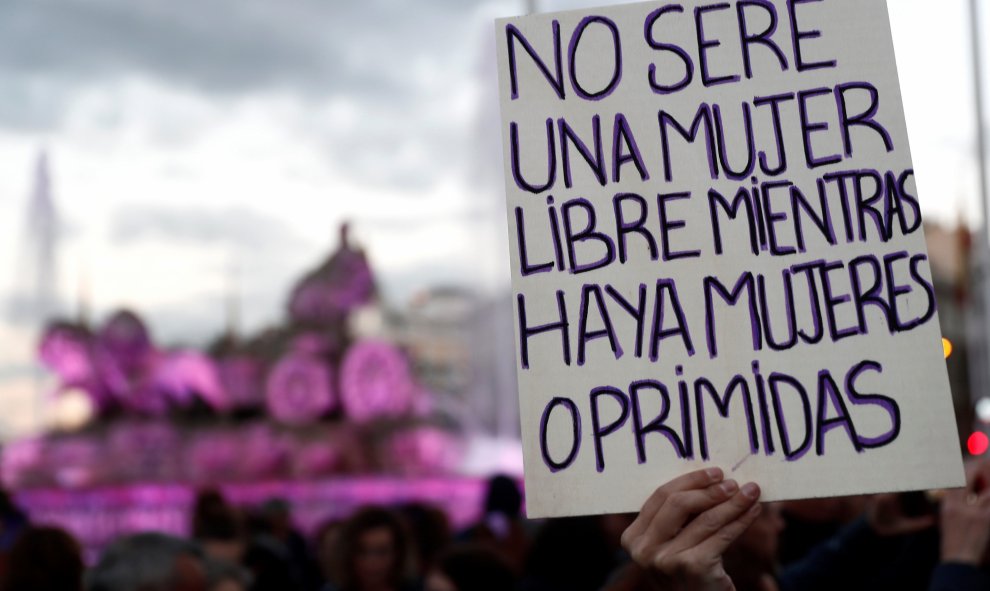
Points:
(202, 148)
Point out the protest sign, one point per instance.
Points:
(717, 254)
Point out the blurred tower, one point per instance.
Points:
(979, 338)
(35, 299)
(38, 286)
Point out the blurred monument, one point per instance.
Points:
(35, 286)
(979, 325)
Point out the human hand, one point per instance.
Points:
(686, 525)
(965, 519)
(886, 517)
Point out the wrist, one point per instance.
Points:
(960, 556)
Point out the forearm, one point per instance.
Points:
(952, 576)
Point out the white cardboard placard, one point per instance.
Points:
(717, 254)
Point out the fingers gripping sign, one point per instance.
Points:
(687, 524)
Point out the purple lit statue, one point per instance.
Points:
(68, 350)
(182, 376)
(375, 382)
(340, 285)
(242, 378)
(124, 356)
(300, 389)
(144, 451)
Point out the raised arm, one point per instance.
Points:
(685, 526)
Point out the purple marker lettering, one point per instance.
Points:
(791, 452)
(572, 408)
(598, 432)
(617, 56)
(516, 160)
(556, 79)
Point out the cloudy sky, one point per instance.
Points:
(205, 148)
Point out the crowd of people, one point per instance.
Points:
(699, 532)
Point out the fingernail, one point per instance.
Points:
(755, 510)
(751, 490)
(714, 473)
(729, 486)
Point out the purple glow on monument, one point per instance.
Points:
(76, 461)
(242, 379)
(138, 394)
(375, 382)
(316, 459)
(340, 285)
(214, 457)
(126, 339)
(97, 517)
(145, 451)
(22, 462)
(312, 344)
(66, 351)
(183, 376)
(263, 453)
(300, 389)
(424, 451)
(118, 384)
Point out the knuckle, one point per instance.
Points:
(709, 521)
(681, 564)
(640, 552)
(667, 563)
(698, 569)
(678, 501)
(727, 536)
(654, 502)
(626, 539)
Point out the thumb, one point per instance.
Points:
(768, 583)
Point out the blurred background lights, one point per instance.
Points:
(983, 409)
(977, 443)
(946, 347)
(72, 410)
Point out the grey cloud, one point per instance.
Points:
(239, 227)
(371, 53)
(235, 46)
(415, 223)
(269, 258)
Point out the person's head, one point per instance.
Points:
(149, 562)
(278, 516)
(208, 504)
(570, 554)
(218, 528)
(373, 551)
(226, 576)
(270, 564)
(470, 568)
(327, 545)
(753, 556)
(44, 558)
(503, 497)
(762, 539)
(429, 532)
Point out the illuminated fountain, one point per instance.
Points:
(301, 411)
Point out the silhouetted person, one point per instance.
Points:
(470, 568)
(501, 528)
(149, 562)
(569, 554)
(44, 558)
(219, 528)
(373, 553)
(429, 532)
